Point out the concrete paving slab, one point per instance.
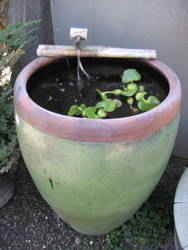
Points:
(182, 189)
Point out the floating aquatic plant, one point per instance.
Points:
(132, 93)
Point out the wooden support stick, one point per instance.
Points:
(97, 51)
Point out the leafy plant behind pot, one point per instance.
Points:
(12, 42)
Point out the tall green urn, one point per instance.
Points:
(95, 173)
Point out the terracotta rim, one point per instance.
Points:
(100, 130)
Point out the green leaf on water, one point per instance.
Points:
(130, 100)
(130, 90)
(75, 110)
(149, 103)
(140, 95)
(102, 94)
(109, 105)
(101, 113)
(118, 103)
(90, 112)
(114, 92)
(131, 75)
(82, 107)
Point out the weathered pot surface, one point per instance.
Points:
(96, 173)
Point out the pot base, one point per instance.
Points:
(88, 233)
(99, 231)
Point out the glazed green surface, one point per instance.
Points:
(95, 187)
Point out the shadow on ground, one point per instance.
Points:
(28, 223)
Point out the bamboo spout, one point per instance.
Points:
(96, 51)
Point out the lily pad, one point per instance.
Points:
(90, 112)
(101, 113)
(109, 105)
(147, 104)
(75, 110)
(140, 95)
(131, 75)
(130, 90)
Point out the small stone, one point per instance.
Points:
(50, 98)
(91, 242)
(46, 218)
(77, 241)
(62, 90)
(71, 84)
(44, 247)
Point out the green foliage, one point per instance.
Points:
(146, 104)
(18, 35)
(75, 110)
(112, 92)
(133, 93)
(7, 130)
(140, 95)
(100, 110)
(101, 113)
(93, 112)
(108, 104)
(130, 90)
(9, 57)
(131, 75)
(83, 110)
(130, 100)
(90, 112)
(12, 41)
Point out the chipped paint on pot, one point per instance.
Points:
(96, 173)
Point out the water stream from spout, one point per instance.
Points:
(80, 67)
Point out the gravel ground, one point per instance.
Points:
(28, 223)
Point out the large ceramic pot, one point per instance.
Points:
(96, 173)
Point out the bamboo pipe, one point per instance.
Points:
(95, 51)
